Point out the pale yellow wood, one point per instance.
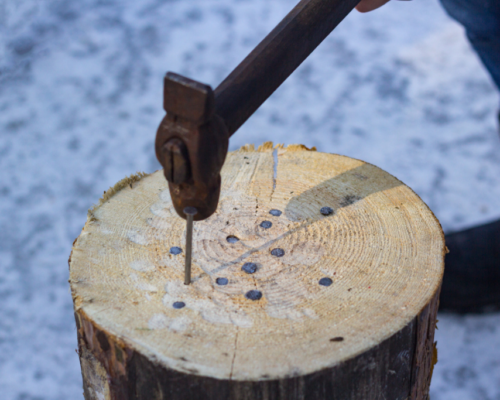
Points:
(383, 248)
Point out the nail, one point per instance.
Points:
(325, 282)
(266, 224)
(326, 211)
(278, 252)
(222, 281)
(232, 239)
(190, 213)
(249, 267)
(175, 250)
(179, 304)
(253, 295)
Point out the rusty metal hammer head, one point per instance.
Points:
(191, 145)
(192, 140)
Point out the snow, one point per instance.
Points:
(80, 102)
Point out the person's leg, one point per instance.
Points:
(472, 270)
(471, 280)
(481, 20)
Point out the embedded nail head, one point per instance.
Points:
(222, 281)
(266, 224)
(278, 252)
(275, 213)
(249, 267)
(326, 211)
(232, 239)
(175, 250)
(253, 295)
(179, 304)
(325, 282)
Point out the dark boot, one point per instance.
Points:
(471, 281)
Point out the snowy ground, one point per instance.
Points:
(80, 101)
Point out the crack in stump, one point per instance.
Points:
(234, 354)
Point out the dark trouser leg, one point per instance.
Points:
(472, 269)
(481, 20)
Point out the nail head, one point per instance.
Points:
(278, 252)
(275, 213)
(254, 295)
(179, 304)
(266, 224)
(222, 281)
(325, 282)
(249, 267)
(190, 211)
(232, 239)
(175, 250)
(326, 211)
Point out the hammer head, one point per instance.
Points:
(191, 145)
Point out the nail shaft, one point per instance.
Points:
(190, 213)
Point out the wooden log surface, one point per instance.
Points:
(317, 278)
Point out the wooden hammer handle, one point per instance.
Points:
(276, 57)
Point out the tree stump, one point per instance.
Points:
(317, 278)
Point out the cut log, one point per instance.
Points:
(317, 278)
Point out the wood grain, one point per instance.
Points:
(366, 333)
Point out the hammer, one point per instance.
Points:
(192, 140)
